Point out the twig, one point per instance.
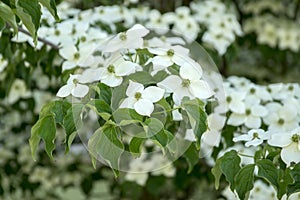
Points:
(224, 66)
(47, 42)
(296, 10)
(236, 3)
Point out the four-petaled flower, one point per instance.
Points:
(141, 99)
(188, 84)
(290, 144)
(254, 137)
(73, 87)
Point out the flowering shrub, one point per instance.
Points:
(126, 83)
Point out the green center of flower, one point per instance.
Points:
(75, 81)
(290, 88)
(57, 32)
(83, 39)
(101, 11)
(269, 89)
(255, 135)
(281, 121)
(111, 69)
(123, 36)
(138, 95)
(76, 56)
(248, 111)
(252, 90)
(186, 83)
(296, 138)
(170, 52)
(181, 16)
(228, 99)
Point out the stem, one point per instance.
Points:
(236, 3)
(47, 42)
(224, 67)
(296, 10)
(245, 155)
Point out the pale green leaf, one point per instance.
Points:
(7, 15)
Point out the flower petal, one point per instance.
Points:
(128, 102)
(170, 84)
(253, 122)
(201, 89)
(133, 88)
(64, 91)
(236, 119)
(80, 91)
(112, 80)
(187, 71)
(280, 140)
(144, 107)
(290, 154)
(125, 68)
(153, 93)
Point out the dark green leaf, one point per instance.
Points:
(51, 6)
(153, 126)
(192, 157)
(105, 144)
(7, 15)
(45, 129)
(295, 187)
(229, 165)
(197, 116)
(135, 146)
(29, 11)
(284, 179)
(268, 171)
(71, 122)
(244, 181)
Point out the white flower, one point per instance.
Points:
(18, 90)
(188, 84)
(290, 144)
(281, 117)
(235, 101)
(215, 123)
(168, 56)
(217, 40)
(131, 39)
(142, 99)
(113, 72)
(157, 22)
(251, 117)
(73, 87)
(76, 57)
(254, 137)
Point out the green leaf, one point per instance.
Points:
(284, 179)
(45, 129)
(142, 77)
(192, 157)
(51, 6)
(295, 187)
(29, 11)
(101, 108)
(71, 122)
(2, 24)
(125, 116)
(118, 94)
(229, 165)
(105, 144)
(197, 116)
(7, 15)
(244, 181)
(57, 108)
(268, 171)
(135, 146)
(153, 126)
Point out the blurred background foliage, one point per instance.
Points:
(71, 176)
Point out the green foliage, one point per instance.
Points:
(51, 6)
(7, 15)
(244, 181)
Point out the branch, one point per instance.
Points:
(47, 42)
(236, 3)
(296, 10)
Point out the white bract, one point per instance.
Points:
(114, 70)
(188, 84)
(131, 39)
(73, 87)
(290, 144)
(254, 137)
(141, 99)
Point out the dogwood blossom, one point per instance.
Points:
(290, 144)
(131, 39)
(188, 84)
(73, 87)
(254, 137)
(141, 99)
